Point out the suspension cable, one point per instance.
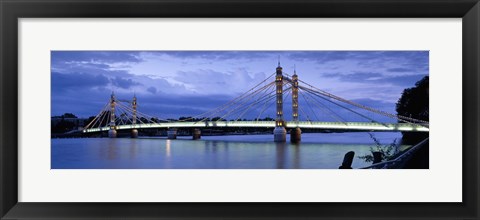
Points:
(96, 117)
(372, 120)
(324, 108)
(324, 93)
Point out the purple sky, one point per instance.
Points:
(170, 84)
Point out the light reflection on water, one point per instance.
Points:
(316, 151)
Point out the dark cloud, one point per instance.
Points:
(218, 55)
(77, 81)
(152, 90)
(320, 56)
(123, 83)
(95, 56)
(89, 68)
(399, 70)
(355, 77)
(415, 61)
(404, 81)
(131, 56)
(416, 58)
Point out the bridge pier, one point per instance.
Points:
(112, 133)
(172, 133)
(196, 134)
(296, 135)
(134, 133)
(279, 134)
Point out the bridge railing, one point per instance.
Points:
(365, 126)
(360, 126)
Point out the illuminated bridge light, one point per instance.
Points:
(270, 124)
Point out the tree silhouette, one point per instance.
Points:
(414, 103)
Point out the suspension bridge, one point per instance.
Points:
(270, 94)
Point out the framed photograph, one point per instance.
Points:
(226, 109)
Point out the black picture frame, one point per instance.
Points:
(12, 10)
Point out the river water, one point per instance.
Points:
(316, 151)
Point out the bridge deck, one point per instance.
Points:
(358, 126)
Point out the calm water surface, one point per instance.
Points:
(316, 151)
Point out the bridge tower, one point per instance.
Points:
(134, 117)
(112, 133)
(279, 133)
(295, 133)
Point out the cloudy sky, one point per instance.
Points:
(170, 84)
